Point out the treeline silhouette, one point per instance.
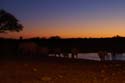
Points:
(9, 47)
(116, 44)
(83, 44)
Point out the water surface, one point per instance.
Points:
(94, 56)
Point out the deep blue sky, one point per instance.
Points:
(68, 18)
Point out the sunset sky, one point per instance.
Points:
(67, 18)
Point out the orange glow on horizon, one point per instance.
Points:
(75, 29)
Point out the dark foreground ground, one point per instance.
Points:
(57, 70)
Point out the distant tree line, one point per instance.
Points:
(83, 44)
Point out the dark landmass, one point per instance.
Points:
(83, 44)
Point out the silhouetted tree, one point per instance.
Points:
(55, 37)
(8, 22)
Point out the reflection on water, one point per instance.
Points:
(90, 56)
(94, 56)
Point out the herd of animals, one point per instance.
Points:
(33, 49)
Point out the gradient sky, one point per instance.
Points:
(67, 18)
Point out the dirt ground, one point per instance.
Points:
(57, 70)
